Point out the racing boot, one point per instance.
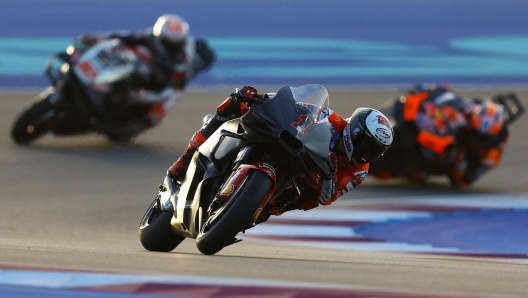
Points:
(179, 168)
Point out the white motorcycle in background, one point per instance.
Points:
(87, 94)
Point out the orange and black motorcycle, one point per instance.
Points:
(433, 135)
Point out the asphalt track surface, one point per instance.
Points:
(75, 203)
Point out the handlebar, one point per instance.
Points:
(511, 104)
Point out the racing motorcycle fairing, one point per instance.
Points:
(434, 142)
(436, 122)
(282, 137)
(209, 164)
(89, 92)
(109, 62)
(224, 142)
(308, 133)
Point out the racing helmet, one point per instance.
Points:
(367, 135)
(170, 32)
(488, 117)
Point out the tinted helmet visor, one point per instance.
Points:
(366, 148)
(171, 46)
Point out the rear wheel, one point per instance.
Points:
(236, 214)
(155, 232)
(33, 122)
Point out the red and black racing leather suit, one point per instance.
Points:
(346, 176)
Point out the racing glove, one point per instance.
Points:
(328, 190)
(247, 93)
(89, 40)
(332, 163)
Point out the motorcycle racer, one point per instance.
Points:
(441, 132)
(356, 142)
(486, 139)
(177, 57)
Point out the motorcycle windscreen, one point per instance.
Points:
(301, 119)
(313, 97)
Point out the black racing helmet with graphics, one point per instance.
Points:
(367, 135)
(171, 32)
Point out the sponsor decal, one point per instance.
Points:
(100, 87)
(347, 142)
(88, 70)
(436, 117)
(377, 119)
(361, 174)
(238, 173)
(257, 214)
(333, 140)
(349, 186)
(379, 127)
(270, 169)
(228, 190)
(355, 182)
(382, 120)
(383, 132)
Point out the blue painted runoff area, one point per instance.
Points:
(486, 231)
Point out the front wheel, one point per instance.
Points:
(236, 214)
(32, 123)
(155, 232)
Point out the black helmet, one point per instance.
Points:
(367, 135)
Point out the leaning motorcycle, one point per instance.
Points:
(239, 170)
(425, 130)
(87, 93)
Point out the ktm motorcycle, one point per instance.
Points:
(430, 133)
(244, 166)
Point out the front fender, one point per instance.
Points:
(233, 185)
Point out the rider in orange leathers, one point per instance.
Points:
(443, 133)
